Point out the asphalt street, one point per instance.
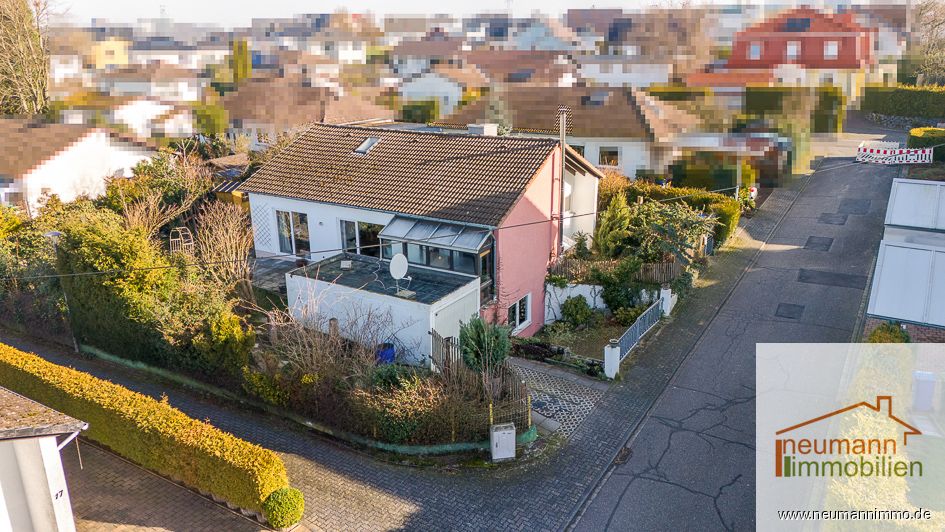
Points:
(690, 464)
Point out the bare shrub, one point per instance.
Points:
(224, 241)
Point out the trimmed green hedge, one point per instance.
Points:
(284, 507)
(677, 93)
(827, 102)
(926, 101)
(726, 208)
(925, 137)
(151, 433)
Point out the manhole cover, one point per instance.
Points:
(832, 218)
(854, 206)
(818, 243)
(845, 280)
(790, 311)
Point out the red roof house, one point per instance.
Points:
(806, 37)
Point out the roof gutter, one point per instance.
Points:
(72, 437)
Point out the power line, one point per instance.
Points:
(369, 246)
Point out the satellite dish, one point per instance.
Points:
(398, 266)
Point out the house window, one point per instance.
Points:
(389, 248)
(293, 232)
(610, 156)
(361, 238)
(793, 50)
(605, 68)
(754, 51)
(579, 149)
(464, 262)
(440, 258)
(417, 254)
(831, 49)
(486, 275)
(520, 313)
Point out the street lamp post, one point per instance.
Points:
(53, 237)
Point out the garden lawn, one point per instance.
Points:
(591, 341)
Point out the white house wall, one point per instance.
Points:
(555, 297)
(139, 114)
(433, 86)
(413, 321)
(626, 74)
(324, 223)
(634, 154)
(583, 199)
(33, 491)
(82, 168)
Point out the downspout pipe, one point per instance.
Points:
(562, 131)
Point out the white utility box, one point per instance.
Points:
(502, 439)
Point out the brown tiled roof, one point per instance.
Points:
(469, 77)
(463, 178)
(26, 145)
(502, 66)
(594, 112)
(730, 78)
(151, 72)
(21, 417)
(430, 46)
(287, 105)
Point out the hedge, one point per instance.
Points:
(924, 137)
(676, 93)
(927, 101)
(827, 102)
(150, 433)
(726, 208)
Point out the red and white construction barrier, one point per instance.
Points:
(869, 154)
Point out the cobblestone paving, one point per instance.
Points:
(108, 493)
(347, 490)
(569, 403)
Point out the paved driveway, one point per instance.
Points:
(692, 458)
(691, 462)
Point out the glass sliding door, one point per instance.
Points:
(293, 233)
(368, 240)
(300, 234)
(349, 236)
(284, 222)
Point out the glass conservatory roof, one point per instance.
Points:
(441, 234)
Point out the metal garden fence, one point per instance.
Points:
(646, 321)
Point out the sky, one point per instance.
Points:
(229, 13)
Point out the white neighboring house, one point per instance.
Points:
(165, 82)
(623, 71)
(621, 128)
(33, 491)
(445, 84)
(544, 33)
(65, 66)
(147, 118)
(411, 58)
(38, 160)
(342, 48)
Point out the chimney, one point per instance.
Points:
(486, 130)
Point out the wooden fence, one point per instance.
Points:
(504, 392)
(579, 271)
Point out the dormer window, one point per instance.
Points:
(366, 146)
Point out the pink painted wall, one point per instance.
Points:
(523, 253)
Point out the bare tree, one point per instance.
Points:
(928, 39)
(24, 58)
(151, 212)
(224, 241)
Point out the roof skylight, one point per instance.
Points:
(367, 145)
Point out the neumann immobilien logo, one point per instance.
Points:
(846, 457)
